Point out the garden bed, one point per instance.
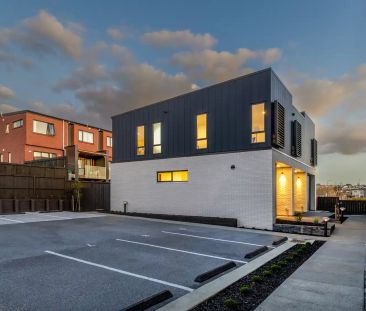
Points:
(247, 293)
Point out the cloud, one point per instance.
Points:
(343, 137)
(44, 33)
(321, 96)
(213, 66)
(5, 108)
(115, 33)
(5, 92)
(179, 39)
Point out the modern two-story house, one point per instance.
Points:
(31, 136)
(238, 149)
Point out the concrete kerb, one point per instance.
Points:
(268, 232)
(208, 290)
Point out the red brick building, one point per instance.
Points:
(27, 136)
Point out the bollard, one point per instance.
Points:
(1, 206)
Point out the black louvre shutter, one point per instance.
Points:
(278, 125)
(314, 152)
(296, 139)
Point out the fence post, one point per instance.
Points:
(47, 205)
(33, 205)
(61, 205)
(72, 203)
(16, 205)
(1, 206)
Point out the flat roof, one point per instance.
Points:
(49, 116)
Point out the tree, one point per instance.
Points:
(76, 189)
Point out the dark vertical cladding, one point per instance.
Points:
(228, 108)
(296, 138)
(314, 152)
(278, 125)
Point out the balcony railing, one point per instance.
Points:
(93, 172)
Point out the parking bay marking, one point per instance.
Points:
(214, 239)
(182, 251)
(139, 276)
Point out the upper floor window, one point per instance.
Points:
(157, 138)
(258, 115)
(9, 157)
(17, 124)
(109, 141)
(173, 176)
(201, 121)
(7, 129)
(44, 128)
(86, 137)
(1, 158)
(140, 140)
(43, 155)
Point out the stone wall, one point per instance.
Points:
(302, 229)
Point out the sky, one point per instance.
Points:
(89, 60)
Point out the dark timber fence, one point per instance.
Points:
(25, 188)
(353, 207)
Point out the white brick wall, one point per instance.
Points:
(213, 189)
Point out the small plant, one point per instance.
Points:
(267, 273)
(290, 258)
(257, 278)
(297, 253)
(275, 267)
(316, 221)
(282, 263)
(298, 215)
(245, 289)
(307, 244)
(230, 303)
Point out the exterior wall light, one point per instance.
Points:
(325, 219)
(232, 166)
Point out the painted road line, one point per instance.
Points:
(60, 217)
(182, 251)
(139, 276)
(13, 220)
(214, 239)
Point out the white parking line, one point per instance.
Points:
(181, 251)
(59, 217)
(121, 271)
(215, 239)
(8, 219)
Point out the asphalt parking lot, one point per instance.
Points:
(109, 262)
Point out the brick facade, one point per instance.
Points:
(22, 142)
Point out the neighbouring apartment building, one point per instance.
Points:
(27, 136)
(238, 149)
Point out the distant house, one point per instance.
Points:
(28, 136)
(358, 193)
(238, 149)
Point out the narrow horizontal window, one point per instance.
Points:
(258, 116)
(201, 120)
(173, 176)
(157, 138)
(140, 140)
(17, 124)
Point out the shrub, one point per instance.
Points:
(257, 278)
(282, 263)
(316, 221)
(308, 244)
(267, 273)
(230, 303)
(297, 254)
(290, 258)
(298, 215)
(275, 267)
(245, 289)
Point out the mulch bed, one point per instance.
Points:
(259, 290)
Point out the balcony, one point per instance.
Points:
(93, 172)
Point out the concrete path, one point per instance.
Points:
(332, 279)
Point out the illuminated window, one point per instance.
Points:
(173, 176)
(258, 114)
(201, 131)
(157, 138)
(7, 129)
(86, 137)
(9, 157)
(44, 128)
(1, 158)
(141, 140)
